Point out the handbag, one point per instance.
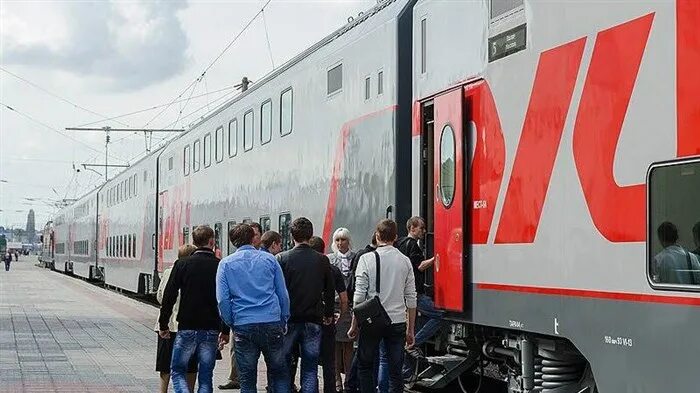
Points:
(371, 315)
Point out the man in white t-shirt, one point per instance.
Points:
(674, 265)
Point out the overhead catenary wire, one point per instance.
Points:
(58, 97)
(212, 63)
(155, 107)
(34, 120)
(267, 37)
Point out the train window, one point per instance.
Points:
(447, 165)
(207, 150)
(265, 122)
(131, 187)
(368, 89)
(423, 42)
(285, 223)
(128, 246)
(233, 138)
(217, 235)
(186, 160)
(248, 133)
(673, 238)
(334, 79)
(195, 155)
(504, 7)
(286, 109)
(136, 184)
(265, 223)
(133, 244)
(231, 247)
(145, 173)
(380, 83)
(185, 235)
(219, 142)
(170, 163)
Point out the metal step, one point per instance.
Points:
(441, 370)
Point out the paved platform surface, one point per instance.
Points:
(60, 334)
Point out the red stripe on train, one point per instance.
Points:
(584, 293)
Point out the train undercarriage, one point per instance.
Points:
(523, 362)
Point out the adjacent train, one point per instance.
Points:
(544, 143)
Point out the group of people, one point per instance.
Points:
(674, 264)
(294, 307)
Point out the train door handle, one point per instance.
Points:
(389, 211)
(437, 262)
(153, 241)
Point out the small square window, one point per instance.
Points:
(335, 79)
(170, 163)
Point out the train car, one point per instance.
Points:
(126, 228)
(320, 137)
(46, 255)
(83, 228)
(553, 139)
(62, 239)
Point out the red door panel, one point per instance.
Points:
(448, 203)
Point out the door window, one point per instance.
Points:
(447, 165)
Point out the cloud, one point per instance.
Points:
(128, 45)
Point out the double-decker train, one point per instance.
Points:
(543, 142)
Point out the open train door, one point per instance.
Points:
(449, 147)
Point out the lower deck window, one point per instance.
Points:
(673, 239)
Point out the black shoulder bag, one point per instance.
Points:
(371, 315)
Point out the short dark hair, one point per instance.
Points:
(387, 230)
(201, 235)
(414, 222)
(668, 233)
(317, 244)
(241, 235)
(302, 229)
(257, 226)
(270, 237)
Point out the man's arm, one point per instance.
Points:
(361, 282)
(281, 291)
(170, 296)
(410, 297)
(343, 302)
(223, 296)
(328, 288)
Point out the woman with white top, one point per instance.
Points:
(342, 257)
(164, 353)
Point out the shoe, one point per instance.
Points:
(230, 385)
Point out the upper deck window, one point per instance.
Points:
(286, 109)
(248, 131)
(504, 7)
(233, 138)
(207, 150)
(219, 142)
(266, 122)
(196, 155)
(335, 79)
(186, 160)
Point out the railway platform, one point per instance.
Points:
(61, 334)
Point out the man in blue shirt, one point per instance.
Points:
(253, 300)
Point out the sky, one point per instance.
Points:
(80, 63)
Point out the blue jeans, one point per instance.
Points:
(188, 343)
(308, 337)
(268, 339)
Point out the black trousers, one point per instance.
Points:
(368, 350)
(328, 357)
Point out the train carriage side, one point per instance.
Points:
(62, 238)
(126, 227)
(317, 138)
(83, 256)
(46, 257)
(559, 137)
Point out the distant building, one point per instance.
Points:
(31, 227)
